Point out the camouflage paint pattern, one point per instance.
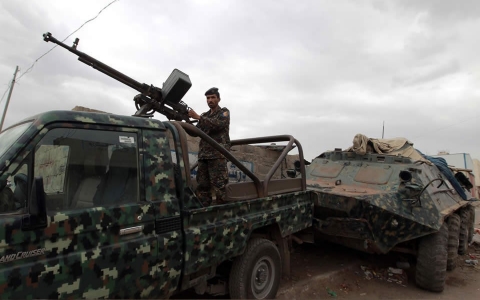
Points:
(82, 254)
(361, 201)
(216, 233)
(160, 190)
(212, 174)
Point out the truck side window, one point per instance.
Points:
(86, 168)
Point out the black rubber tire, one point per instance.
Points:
(431, 269)
(260, 259)
(453, 241)
(464, 229)
(471, 209)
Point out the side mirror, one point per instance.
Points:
(37, 209)
(296, 164)
(291, 173)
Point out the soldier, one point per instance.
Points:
(212, 165)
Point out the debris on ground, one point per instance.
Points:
(368, 273)
(472, 262)
(395, 275)
(345, 288)
(473, 256)
(331, 293)
(395, 271)
(476, 238)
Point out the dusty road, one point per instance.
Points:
(339, 275)
(334, 272)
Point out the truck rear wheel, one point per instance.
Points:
(256, 274)
(453, 238)
(464, 231)
(431, 269)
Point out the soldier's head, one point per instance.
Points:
(213, 97)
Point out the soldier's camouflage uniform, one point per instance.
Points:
(212, 165)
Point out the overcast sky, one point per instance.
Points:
(321, 71)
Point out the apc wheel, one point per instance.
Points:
(432, 256)
(453, 241)
(471, 231)
(464, 231)
(256, 274)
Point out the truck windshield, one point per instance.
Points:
(11, 135)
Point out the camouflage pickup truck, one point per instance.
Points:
(102, 206)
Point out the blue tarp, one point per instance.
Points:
(442, 165)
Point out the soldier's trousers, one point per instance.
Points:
(212, 174)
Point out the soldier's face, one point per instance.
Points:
(212, 101)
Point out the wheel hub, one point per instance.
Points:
(261, 276)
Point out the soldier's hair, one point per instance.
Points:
(213, 91)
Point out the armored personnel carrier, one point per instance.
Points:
(384, 195)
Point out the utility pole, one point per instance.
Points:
(383, 128)
(8, 98)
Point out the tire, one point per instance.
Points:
(431, 269)
(256, 274)
(471, 209)
(464, 231)
(453, 241)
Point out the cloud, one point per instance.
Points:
(427, 73)
(322, 71)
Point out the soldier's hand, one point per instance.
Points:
(192, 114)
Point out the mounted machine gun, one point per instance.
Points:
(165, 100)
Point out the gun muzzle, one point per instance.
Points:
(47, 36)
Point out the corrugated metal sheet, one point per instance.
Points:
(458, 160)
(476, 171)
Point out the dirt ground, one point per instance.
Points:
(329, 271)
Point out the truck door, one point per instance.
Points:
(100, 240)
(161, 191)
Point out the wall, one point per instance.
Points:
(258, 159)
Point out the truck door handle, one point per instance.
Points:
(131, 230)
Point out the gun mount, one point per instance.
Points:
(166, 100)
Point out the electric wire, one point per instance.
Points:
(33, 64)
(31, 67)
(444, 127)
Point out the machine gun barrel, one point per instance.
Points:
(166, 101)
(98, 65)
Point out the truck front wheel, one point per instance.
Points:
(256, 274)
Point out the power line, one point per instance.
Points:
(31, 67)
(33, 64)
(445, 127)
